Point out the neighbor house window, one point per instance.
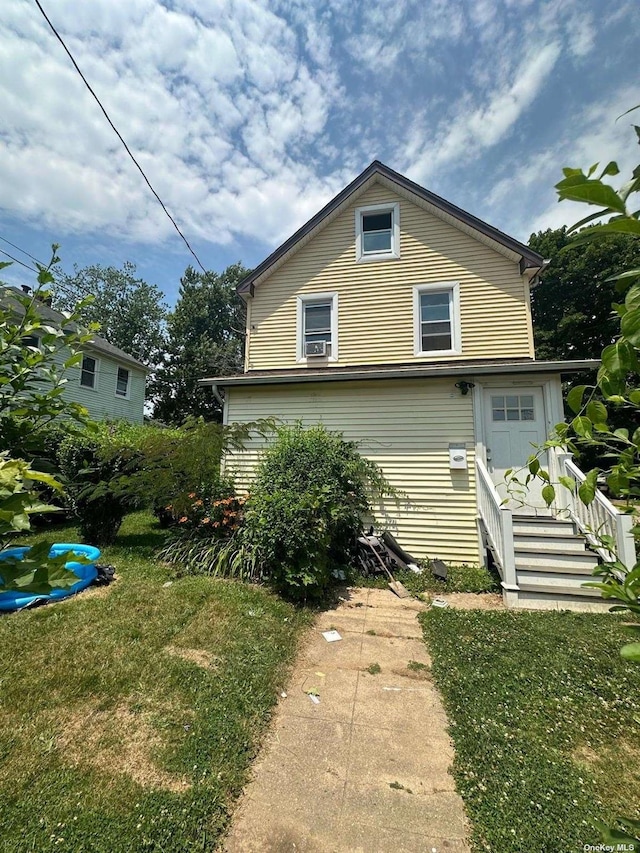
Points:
(318, 327)
(378, 232)
(122, 382)
(437, 319)
(88, 372)
(31, 341)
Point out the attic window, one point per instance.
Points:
(378, 232)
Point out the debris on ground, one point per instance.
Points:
(331, 636)
(439, 602)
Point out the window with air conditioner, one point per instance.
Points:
(378, 232)
(318, 327)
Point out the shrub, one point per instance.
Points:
(310, 495)
(92, 463)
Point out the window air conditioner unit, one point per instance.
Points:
(315, 348)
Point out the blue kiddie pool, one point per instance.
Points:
(86, 573)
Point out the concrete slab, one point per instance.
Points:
(367, 769)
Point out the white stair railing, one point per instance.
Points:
(600, 517)
(498, 522)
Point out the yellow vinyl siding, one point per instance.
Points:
(405, 426)
(376, 314)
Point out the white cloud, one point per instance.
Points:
(248, 115)
(469, 130)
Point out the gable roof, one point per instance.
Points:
(56, 318)
(377, 171)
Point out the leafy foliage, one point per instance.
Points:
(311, 492)
(34, 358)
(32, 378)
(37, 572)
(571, 306)
(205, 338)
(19, 497)
(617, 384)
(91, 463)
(130, 312)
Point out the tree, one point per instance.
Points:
(571, 306)
(205, 338)
(131, 312)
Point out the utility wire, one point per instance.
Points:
(26, 266)
(24, 251)
(118, 134)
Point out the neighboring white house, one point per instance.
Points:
(109, 383)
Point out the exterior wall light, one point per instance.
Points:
(464, 387)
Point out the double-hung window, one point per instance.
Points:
(318, 327)
(437, 319)
(89, 372)
(122, 382)
(378, 232)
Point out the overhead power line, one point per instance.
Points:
(118, 134)
(22, 264)
(24, 251)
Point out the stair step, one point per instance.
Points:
(549, 544)
(554, 560)
(558, 589)
(543, 527)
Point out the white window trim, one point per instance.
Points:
(96, 373)
(302, 300)
(126, 396)
(394, 207)
(456, 337)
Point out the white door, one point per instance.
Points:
(515, 425)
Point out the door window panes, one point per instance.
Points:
(512, 407)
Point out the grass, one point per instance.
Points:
(462, 578)
(545, 719)
(129, 714)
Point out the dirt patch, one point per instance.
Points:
(415, 674)
(474, 601)
(200, 657)
(117, 741)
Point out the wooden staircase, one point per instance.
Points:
(544, 560)
(552, 562)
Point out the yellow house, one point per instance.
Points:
(404, 322)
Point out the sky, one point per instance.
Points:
(247, 117)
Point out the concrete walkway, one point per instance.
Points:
(366, 769)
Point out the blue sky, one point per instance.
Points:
(249, 116)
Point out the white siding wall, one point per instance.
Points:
(102, 402)
(406, 427)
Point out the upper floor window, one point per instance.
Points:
(378, 232)
(31, 341)
(437, 319)
(89, 372)
(122, 382)
(318, 327)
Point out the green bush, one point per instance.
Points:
(92, 463)
(310, 495)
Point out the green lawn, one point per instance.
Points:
(545, 719)
(129, 714)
